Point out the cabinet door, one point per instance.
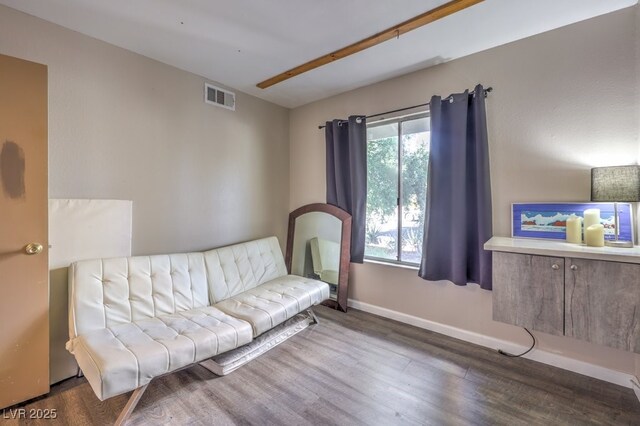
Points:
(529, 291)
(602, 303)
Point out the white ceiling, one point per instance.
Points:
(242, 42)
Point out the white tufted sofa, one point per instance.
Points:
(136, 318)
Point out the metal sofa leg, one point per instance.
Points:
(80, 373)
(313, 315)
(131, 405)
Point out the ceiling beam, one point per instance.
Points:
(393, 32)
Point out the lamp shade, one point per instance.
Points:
(615, 184)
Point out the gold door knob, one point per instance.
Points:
(33, 248)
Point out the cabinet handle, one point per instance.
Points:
(573, 267)
(555, 266)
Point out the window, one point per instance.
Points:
(397, 158)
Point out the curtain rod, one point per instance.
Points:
(486, 91)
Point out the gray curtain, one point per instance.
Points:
(458, 210)
(347, 175)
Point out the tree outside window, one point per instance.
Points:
(397, 159)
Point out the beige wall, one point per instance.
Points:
(637, 39)
(564, 101)
(127, 127)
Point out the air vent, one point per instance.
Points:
(216, 96)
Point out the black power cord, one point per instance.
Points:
(501, 352)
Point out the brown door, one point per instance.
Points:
(24, 280)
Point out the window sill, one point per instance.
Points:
(394, 264)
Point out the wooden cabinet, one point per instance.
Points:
(581, 297)
(528, 291)
(602, 303)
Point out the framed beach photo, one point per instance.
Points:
(549, 220)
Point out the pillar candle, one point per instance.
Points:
(591, 217)
(574, 229)
(594, 235)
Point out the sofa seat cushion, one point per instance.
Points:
(125, 356)
(275, 301)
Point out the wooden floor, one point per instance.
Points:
(358, 368)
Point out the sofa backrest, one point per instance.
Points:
(106, 292)
(325, 255)
(234, 269)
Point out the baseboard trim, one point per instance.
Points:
(635, 384)
(549, 358)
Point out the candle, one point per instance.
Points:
(574, 229)
(594, 235)
(591, 217)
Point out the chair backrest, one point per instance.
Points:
(106, 292)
